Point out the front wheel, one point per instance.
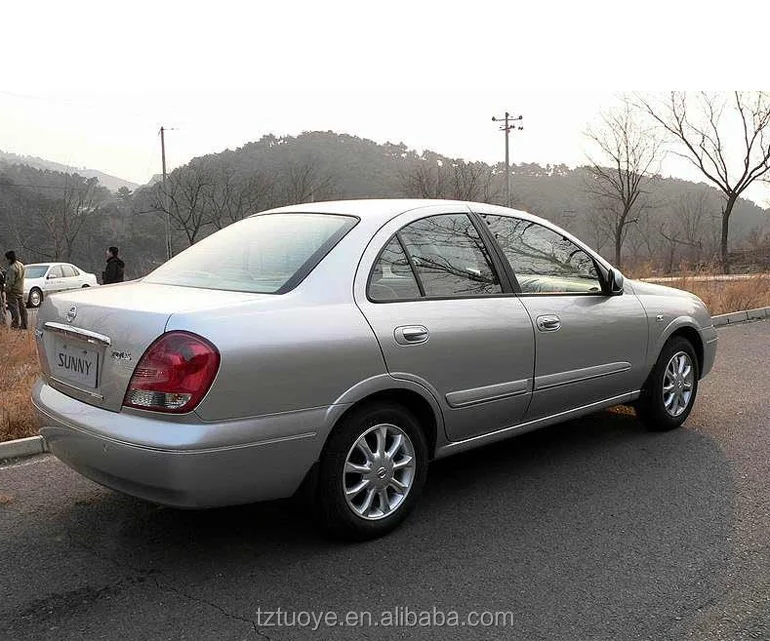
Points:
(371, 472)
(35, 297)
(670, 390)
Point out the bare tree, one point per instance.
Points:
(59, 221)
(303, 182)
(184, 199)
(693, 229)
(231, 197)
(458, 180)
(632, 153)
(704, 124)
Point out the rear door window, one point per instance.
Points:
(436, 257)
(449, 257)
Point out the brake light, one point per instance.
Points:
(174, 374)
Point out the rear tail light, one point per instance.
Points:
(174, 374)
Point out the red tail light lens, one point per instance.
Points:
(174, 374)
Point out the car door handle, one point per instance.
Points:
(548, 323)
(411, 334)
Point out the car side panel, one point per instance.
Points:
(478, 358)
(286, 359)
(598, 352)
(669, 310)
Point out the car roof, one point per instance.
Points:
(378, 208)
(46, 264)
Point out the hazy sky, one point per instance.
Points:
(90, 83)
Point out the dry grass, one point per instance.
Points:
(18, 370)
(722, 297)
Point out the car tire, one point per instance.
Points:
(84, 286)
(380, 451)
(35, 297)
(669, 393)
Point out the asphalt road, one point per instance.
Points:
(595, 529)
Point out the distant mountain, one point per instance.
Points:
(113, 183)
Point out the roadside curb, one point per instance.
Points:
(741, 317)
(23, 447)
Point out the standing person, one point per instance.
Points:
(2, 296)
(14, 291)
(114, 271)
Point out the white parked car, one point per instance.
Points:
(43, 279)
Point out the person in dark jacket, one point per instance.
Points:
(2, 296)
(114, 271)
(14, 291)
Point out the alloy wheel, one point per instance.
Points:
(678, 383)
(379, 471)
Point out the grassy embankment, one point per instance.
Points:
(18, 371)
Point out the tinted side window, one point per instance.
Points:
(55, 272)
(449, 256)
(392, 277)
(67, 270)
(544, 261)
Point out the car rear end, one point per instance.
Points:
(137, 379)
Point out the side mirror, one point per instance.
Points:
(615, 282)
(50, 276)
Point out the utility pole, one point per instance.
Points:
(510, 124)
(165, 192)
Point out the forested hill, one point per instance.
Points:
(678, 217)
(113, 183)
(48, 215)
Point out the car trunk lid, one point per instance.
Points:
(90, 341)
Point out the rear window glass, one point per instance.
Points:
(266, 254)
(35, 271)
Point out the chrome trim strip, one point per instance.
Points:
(579, 375)
(82, 390)
(462, 398)
(507, 432)
(78, 333)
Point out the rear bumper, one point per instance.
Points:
(191, 473)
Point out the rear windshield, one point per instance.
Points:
(35, 271)
(267, 254)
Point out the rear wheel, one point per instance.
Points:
(670, 391)
(35, 297)
(371, 472)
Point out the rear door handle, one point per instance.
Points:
(411, 334)
(548, 323)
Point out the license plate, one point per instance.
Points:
(73, 362)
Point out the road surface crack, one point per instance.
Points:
(166, 585)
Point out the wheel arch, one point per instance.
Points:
(694, 338)
(383, 389)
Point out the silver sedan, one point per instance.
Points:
(341, 346)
